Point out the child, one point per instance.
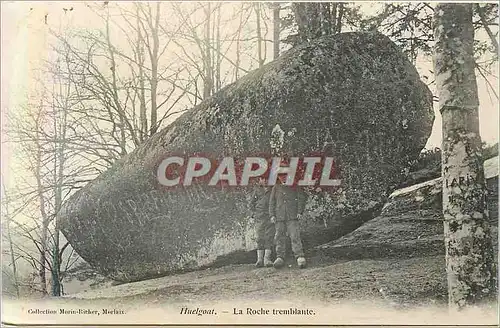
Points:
(259, 205)
(286, 205)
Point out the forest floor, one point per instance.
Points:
(399, 282)
(397, 291)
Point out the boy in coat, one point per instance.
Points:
(286, 205)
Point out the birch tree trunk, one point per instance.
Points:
(469, 253)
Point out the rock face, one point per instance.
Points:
(356, 91)
(411, 223)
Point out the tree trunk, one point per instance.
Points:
(334, 18)
(60, 125)
(114, 89)
(56, 285)
(469, 253)
(154, 71)
(339, 18)
(276, 29)
(218, 81)
(299, 12)
(143, 120)
(259, 34)
(238, 46)
(208, 83)
(314, 20)
(326, 26)
(41, 203)
(9, 237)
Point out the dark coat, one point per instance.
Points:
(259, 202)
(286, 202)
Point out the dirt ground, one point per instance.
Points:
(384, 291)
(397, 282)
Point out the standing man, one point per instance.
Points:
(259, 205)
(286, 205)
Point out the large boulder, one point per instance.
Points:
(355, 91)
(411, 223)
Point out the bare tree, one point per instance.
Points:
(61, 96)
(41, 133)
(30, 134)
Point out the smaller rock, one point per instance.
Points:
(410, 224)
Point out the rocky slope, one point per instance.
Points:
(410, 223)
